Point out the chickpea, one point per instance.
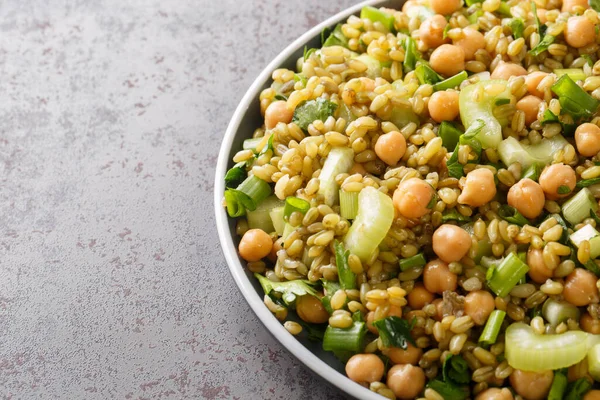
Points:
(411, 355)
(587, 139)
(568, 5)
(531, 385)
(533, 80)
(580, 32)
(448, 59)
(505, 70)
(589, 324)
(255, 245)
(311, 310)
(479, 188)
(431, 31)
(390, 147)
(445, 7)
(438, 278)
(495, 394)
(530, 105)
(443, 106)
(413, 197)
(451, 243)
(479, 305)
(365, 368)
(580, 288)
(538, 272)
(592, 395)
(472, 41)
(555, 178)
(278, 111)
(527, 197)
(419, 297)
(406, 381)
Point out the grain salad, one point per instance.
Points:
(423, 197)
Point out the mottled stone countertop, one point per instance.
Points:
(112, 281)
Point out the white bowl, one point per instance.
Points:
(245, 119)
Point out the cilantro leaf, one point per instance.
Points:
(395, 332)
(309, 111)
(448, 390)
(454, 215)
(346, 276)
(335, 38)
(456, 370)
(236, 175)
(517, 27)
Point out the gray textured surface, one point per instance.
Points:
(111, 276)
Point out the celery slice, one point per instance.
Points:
(348, 204)
(512, 151)
(372, 223)
(576, 74)
(339, 160)
(472, 109)
(276, 215)
(261, 218)
(594, 362)
(555, 311)
(591, 235)
(578, 207)
(531, 352)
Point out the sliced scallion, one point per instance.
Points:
(348, 204)
(576, 74)
(450, 135)
(492, 328)
(510, 214)
(578, 207)
(294, 204)
(418, 260)
(505, 276)
(533, 172)
(376, 15)
(559, 386)
(573, 99)
(345, 339)
(452, 82)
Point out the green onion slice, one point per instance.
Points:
(492, 328)
(293, 204)
(418, 260)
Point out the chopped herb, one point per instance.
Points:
(563, 189)
(411, 55)
(346, 276)
(549, 117)
(501, 101)
(595, 4)
(289, 290)
(517, 27)
(280, 97)
(426, 74)
(533, 172)
(269, 145)
(456, 370)
(329, 288)
(395, 332)
(449, 391)
(541, 28)
(300, 78)
(314, 332)
(418, 260)
(307, 53)
(455, 169)
(432, 202)
(451, 82)
(564, 238)
(577, 389)
(587, 182)
(310, 111)
(587, 57)
(454, 215)
(542, 45)
(573, 99)
(445, 32)
(595, 217)
(335, 38)
(450, 134)
(236, 175)
(510, 214)
(591, 266)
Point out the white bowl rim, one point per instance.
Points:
(229, 249)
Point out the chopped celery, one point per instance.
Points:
(559, 386)
(503, 278)
(492, 328)
(276, 215)
(426, 74)
(346, 277)
(418, 260)
(450, 134)
(377, 15)
(451, 82)
(373, 65)
(260, 218)
(591, 235)
(287, 229)
(573, 99)
(411, 54)
(348, 339)
(472, 109)
(294, 204)
(593, 358)
(555, 311)
(250, 144)
(576, 74)
(346, 113)
(512, 151)
(531, 352)
(339, 160)
(578, 207)
(374, 219)
(289, 290)
(348, 204)
(402, 116)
